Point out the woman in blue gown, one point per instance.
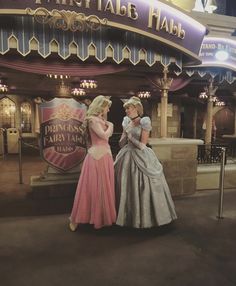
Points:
(143, 196)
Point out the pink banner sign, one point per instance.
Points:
(62, 143)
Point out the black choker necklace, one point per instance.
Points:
(135, 117)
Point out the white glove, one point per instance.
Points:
(136, 142)
(123, 139)
(128, 128)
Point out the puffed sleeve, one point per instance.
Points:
(146, 123)
(125, 122)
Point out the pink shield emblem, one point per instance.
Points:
(62, 143)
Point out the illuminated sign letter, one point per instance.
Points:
(164, 25)
(99, 5)
(76, 2)
(120, 10)
(132, 12)
(181, 32)
(153, 14)
(109, 7)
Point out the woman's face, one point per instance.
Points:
(106, 110)
(131, 111)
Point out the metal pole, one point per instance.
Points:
(3, 143)
(221, 183)
(20, 159)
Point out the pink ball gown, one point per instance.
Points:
(94, 201)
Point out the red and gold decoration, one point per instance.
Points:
(62, 144)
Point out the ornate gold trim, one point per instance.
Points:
(170, 43)
(67, 20)
(181, 49)
(217, 65)
(165, 82)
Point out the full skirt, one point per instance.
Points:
(143, 196)
(94, 201)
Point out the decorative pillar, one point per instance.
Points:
(211, 90)
(37, 101)
(164, 85)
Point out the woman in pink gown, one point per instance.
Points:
(94, 201)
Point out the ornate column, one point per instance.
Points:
(210, 90)
(164, 86)
(37, 101)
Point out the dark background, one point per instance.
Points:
(226, 7)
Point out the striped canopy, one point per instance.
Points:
(25, 35)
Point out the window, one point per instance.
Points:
(26, 124)
(7, 113)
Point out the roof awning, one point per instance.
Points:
(218, 52)
(25, 35)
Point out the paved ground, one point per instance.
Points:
(37, 248)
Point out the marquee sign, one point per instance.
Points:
(62, 144)
(154, 19)
(218, 52)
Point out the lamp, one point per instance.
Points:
(222, 55)
(63, 90)
(78, 91)
(143, 94)
(88, 83)
(220, 103)
(3, 86)
(215, 99)
(203, 95)
(57, 76)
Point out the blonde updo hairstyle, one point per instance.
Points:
(136, 102)
(95, 108)
(98, 105)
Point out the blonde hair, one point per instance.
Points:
(98, 105)
(95, 108)
(136, 102)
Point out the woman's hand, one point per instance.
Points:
(129, 136)
(109, 124)
(136, 142)
(128, 129)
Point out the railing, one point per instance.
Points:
(2, 143)
(211, 153)
(216, 153)
(21, 144)
(221, 182)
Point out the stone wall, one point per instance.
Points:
(179, 159)
(173, 120)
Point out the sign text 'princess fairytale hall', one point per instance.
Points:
(62, 144)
